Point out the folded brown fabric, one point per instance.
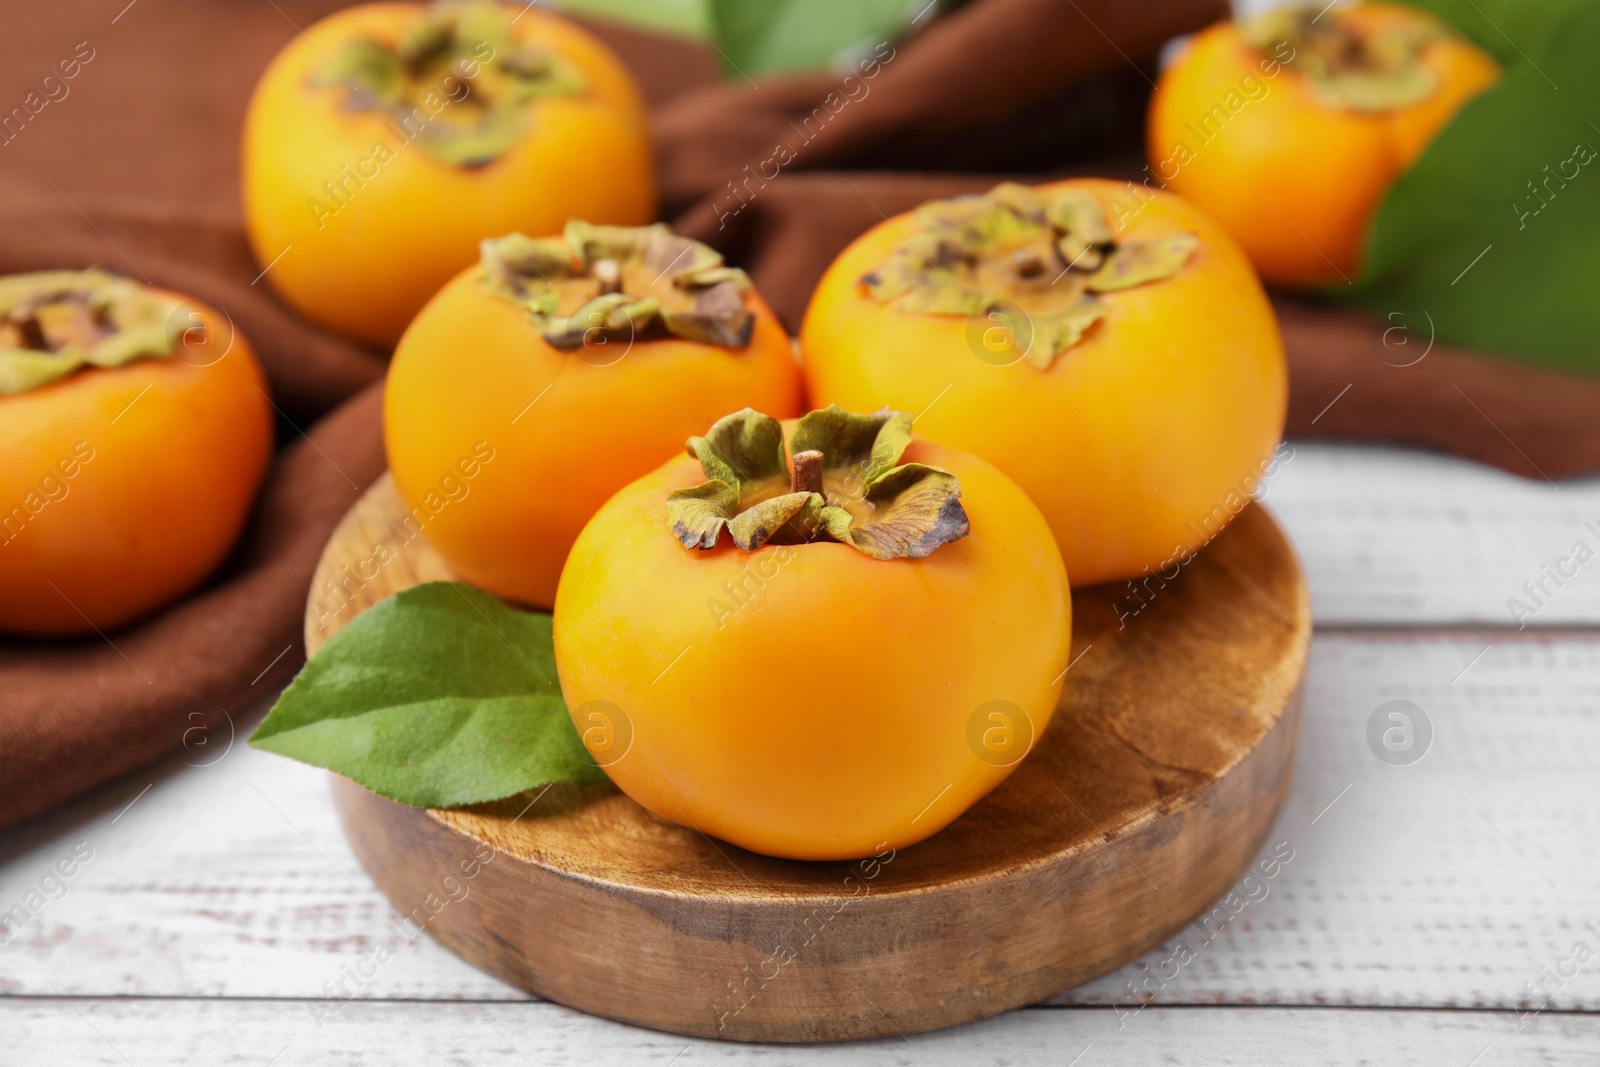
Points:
(132, 163)
(996, 86)
(1355, 376)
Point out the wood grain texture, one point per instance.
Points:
(111, 1033)
(1168, 759)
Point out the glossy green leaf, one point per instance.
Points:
(1494, 234)
(437, 697)
(773, 36)
(1509, 30)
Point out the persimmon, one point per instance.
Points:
(135, 429)
(1108, 348)
(818, 661)
(1288, 127)
(387, 139)
(537, 384)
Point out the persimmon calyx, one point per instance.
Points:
(848, 486)
(456, 81)
(1344, 66)
(55, 322)
(620, 283)
(1015, 249)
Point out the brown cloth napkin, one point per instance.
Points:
(132, 163)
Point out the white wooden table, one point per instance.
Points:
(220, 909)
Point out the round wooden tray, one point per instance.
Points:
(1152, 790)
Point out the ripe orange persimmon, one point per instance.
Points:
(386, 140)
(1127, 374)
(1290, 126)
(537, 384)
(134, 431)
(819, 664)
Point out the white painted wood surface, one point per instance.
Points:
(219, 1032)
(221, 904)
(1391, 537)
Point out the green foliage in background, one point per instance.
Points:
(1495, 231)
(756, 37)
(1509, 30)
(772, 36)
(677, 18)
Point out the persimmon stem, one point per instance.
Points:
(807, 477)
(609, 275)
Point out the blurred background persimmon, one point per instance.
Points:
(388, 139)
(1290, 125)
(122, 485)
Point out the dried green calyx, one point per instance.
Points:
(456, 82)
(55, 322)
(599, 284)
(1016, 249)
(847, 485)
(1347, 66)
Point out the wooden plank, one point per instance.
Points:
(117, 1033)
(1403, 538)
(1420, 885)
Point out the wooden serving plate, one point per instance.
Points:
(1145, 800)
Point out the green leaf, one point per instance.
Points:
(437, 697)
(690, 19)
(769, 36)
(1493, 232)
(1509, 30)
